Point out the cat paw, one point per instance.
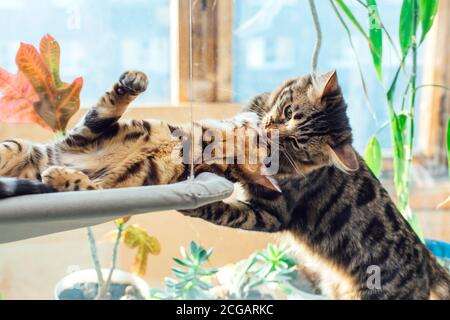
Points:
(65, 179)
(133, 82)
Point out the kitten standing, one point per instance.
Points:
(333, 208)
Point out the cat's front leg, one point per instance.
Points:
(112, 105)
(65, 179)
(239, 215)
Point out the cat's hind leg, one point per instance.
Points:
(65, 179)
(111, 106)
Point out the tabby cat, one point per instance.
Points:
(103, 152)
(333, 208)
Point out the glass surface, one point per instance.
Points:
(98, 39)
(274, 40)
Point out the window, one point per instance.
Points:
(274, 40)
(99, 40)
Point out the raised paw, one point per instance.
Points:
(133, 82)
(65, 179)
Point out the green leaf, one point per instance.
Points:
(352, 18)
(427, 13)
(272, 251)
(408, 28)
(405, 122)
(182, 262)
(402, 120)
(376, 36)
(204, 285)
(448, 145)
(373, 155)
(194, 249)
(179, 272)
(208, 272)
(392, 87)
(397, 140)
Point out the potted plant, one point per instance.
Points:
(272, 273)
(112, 284)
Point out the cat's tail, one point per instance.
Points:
(440, 281)
(11, 187)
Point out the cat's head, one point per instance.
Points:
(310, 118)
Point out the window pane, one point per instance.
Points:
(273, 41)
(99, 40)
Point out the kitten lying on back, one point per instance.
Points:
(103, 152)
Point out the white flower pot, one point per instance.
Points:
(90, 276)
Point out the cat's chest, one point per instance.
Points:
(335, 283)
(239, 194)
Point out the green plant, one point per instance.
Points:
(373, 155)
(273, 267)
(265, 270)
(265, 274)
(413, 13)
(192, 279)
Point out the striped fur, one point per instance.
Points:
(333, 209)
(102, 152)
(15, 187)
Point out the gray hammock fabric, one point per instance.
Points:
(36, 215)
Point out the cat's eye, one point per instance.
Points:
(288, 112)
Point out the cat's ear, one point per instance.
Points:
(327, 83)
(344, 157)
(267, 182)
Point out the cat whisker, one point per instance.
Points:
(290, 160)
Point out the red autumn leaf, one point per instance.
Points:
(58, 101)
(17, 100)
(37, 94)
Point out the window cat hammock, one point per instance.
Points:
(37, 215)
